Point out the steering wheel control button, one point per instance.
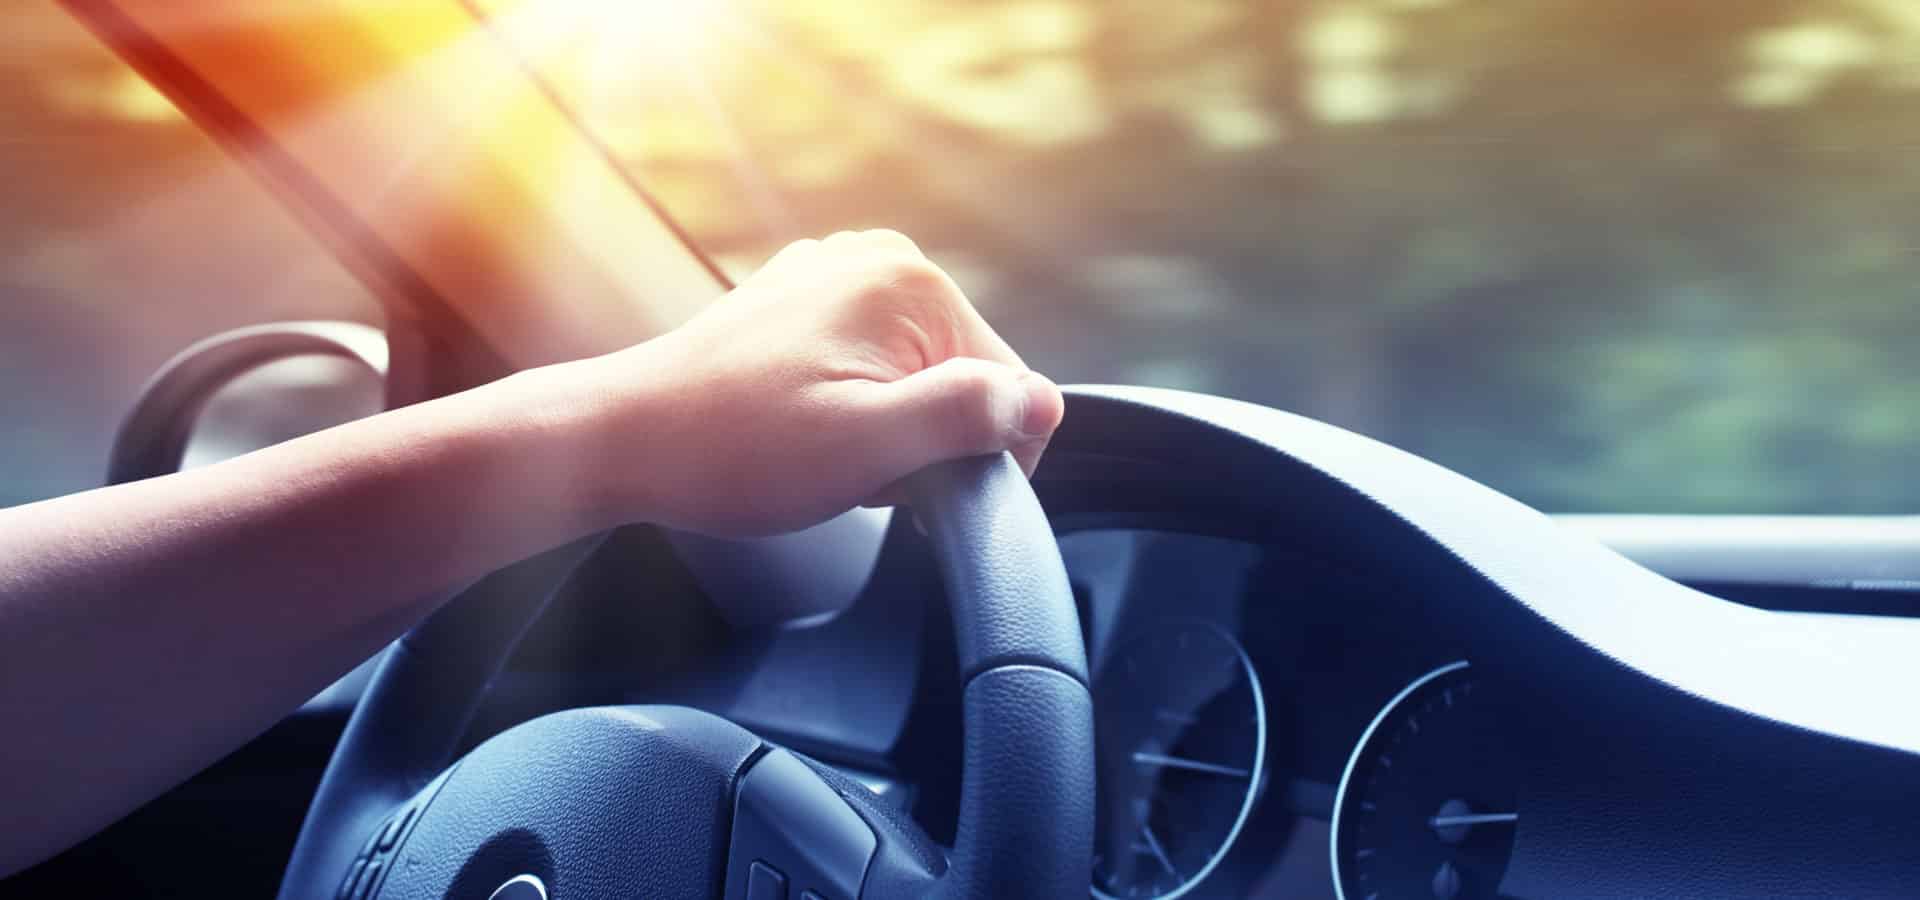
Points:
(790, 823)
(765, 882)
(521, 887)
(367, 884)
(354, 878)
(391, 835)
(363, 879)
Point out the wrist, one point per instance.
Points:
(593, 424)
(541, 427)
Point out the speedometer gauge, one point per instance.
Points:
(1181, 741)
(1426, 807)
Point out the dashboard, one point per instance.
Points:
(1351, 675)
(1322, 669)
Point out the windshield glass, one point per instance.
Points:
(125, 236)
(1605, 255)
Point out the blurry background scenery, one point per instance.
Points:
(126, 235)
(1605, 255)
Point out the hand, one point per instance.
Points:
(845, 365)
(838, 369)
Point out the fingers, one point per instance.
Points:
(875, 239)
(797, 248)
(973, 338)
(962, 407)
(965, 404)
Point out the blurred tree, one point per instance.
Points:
(1649, 255)
(1631, 255)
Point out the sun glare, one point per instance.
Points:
(610, 44)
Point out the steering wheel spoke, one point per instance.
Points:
(794, 835)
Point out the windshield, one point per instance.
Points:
(1605, 255)
(125, 236)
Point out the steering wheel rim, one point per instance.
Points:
(1026, 813)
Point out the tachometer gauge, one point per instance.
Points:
(1425, 809)
(1181, 741)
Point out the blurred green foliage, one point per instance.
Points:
(1606, 255)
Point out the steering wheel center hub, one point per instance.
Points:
(610, 802)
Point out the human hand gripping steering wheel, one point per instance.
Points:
(666, 802)
(851, 347)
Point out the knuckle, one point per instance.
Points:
(901, 284)
(887, 237)
(915, 276)
(972, 384)
(917, 299)
(971, 409)
(800, 246)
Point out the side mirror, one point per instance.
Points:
(154, 437)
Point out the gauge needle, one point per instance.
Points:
(1144, 758)
(1159, 852)
(1472, 819)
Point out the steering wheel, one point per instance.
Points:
(665, 802)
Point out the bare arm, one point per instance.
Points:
(147, 629)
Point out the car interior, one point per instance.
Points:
(1265, 622)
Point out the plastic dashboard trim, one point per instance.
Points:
(1677, 744)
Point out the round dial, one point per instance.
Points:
(1426, 808)
(1181, 741)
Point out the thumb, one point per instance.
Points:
(965, 407)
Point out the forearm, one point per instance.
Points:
(148, 628)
